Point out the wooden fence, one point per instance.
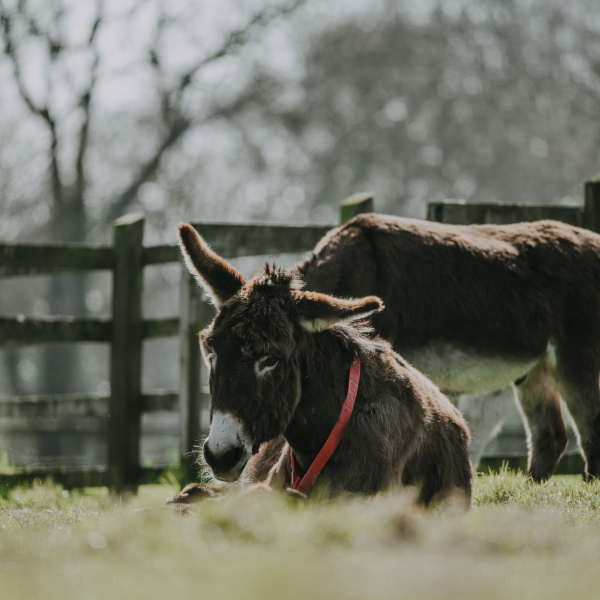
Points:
(126, 330)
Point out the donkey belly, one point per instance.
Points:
(459, 371)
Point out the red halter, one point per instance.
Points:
(301, 485)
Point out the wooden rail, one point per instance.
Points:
(17, 260)
(462, 213)
(89, 405)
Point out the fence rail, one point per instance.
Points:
(462, 213)
(470, 213)
(88, 405)
(26, 260)
(18, 260)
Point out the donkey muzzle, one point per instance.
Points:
(227, 466)
(226, 450)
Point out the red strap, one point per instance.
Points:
(301, 486)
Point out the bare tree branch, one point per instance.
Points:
(235, 40)
(10, 50)
(144, 173)
(85, 102)
(175, 122)
(176, 132)
(157, 67)
(178, 125)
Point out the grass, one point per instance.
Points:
(520, 540)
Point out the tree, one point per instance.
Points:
(493, 101)
(60, 64)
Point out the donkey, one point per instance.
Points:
(279, 359)
(478, 308)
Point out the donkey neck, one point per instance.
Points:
(325, 365)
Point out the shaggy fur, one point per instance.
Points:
(520, 302)
(403, 429)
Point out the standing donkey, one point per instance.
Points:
(279, 360)
(479, 307)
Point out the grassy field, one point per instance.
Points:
(520, 540)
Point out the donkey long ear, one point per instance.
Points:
(218, 277)
(319, 311)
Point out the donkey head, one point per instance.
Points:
(252, 350)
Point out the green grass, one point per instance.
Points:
(520, 540)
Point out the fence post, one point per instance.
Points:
(194, 315)
(355, 204)
(591, 209)
(124, 422)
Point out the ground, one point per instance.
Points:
(520, 540)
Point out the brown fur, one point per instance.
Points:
(502, 293)
(403, 429)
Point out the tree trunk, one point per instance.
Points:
(61, 371)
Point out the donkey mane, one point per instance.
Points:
(273, 276)
(359, 336)
(351, 336)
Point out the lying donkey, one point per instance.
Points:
(479, 307)
(279, 360)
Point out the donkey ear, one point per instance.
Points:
(220, 280)
(319, 311)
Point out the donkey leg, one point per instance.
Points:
(579, 382)
(541, 409)
(484, 414)
(196, 492)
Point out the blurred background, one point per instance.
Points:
(273, 111)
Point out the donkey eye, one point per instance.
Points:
(265, 364)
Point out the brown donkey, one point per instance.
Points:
(479, 307)
(279, 361)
